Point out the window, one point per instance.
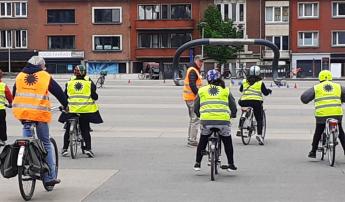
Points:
(5, 39)
(162, 40)
(232, 11)
(61, 42)
(308, 10)
(165, 12)
(149, 12)
(308, 39)
(277, 14)
(61, 16)
(281, 41)
(111, 15)
(6, 9)
(338, 38)
(107, 43)
(21, 9)
(226, 11)
(338, 9)
(21, 39)
(181, 11)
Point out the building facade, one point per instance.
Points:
(318, 36)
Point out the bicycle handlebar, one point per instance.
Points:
(227, 42)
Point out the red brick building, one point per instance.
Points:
(318, 36)
(158, 28)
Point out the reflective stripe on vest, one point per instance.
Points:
(214, 104)
(188, 94)
(2, 95)
(31, 101)
(327, 99)
(251, 92)
(79, 97)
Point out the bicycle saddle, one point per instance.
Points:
(246, 109)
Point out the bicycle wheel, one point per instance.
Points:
(26, 182)
(56, 160)
(98, 82)
(321, 147)
(141, 76)
(102, 81)
(73, 142)
(263, 124)
(246, 132)
(213, 162)
(216, 159)
(331, 149)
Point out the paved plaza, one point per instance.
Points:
(141, 152)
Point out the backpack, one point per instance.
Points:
(8, 161)
(36, 158)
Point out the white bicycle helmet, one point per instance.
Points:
(254, 71)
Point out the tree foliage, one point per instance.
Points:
(215, 27)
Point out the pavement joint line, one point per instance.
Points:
(101, 184)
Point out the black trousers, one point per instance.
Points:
(320, 127)
(85, 133)
(258, 109)
(227, 141)
(3, 127)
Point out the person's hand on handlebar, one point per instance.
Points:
(8, 105)
(270, 91)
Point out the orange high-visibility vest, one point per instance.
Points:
(31, 101)
(188, 94)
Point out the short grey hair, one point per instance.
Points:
(198, 57)
(37, 60)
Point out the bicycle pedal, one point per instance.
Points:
(224, 167)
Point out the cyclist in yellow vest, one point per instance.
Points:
(215, 106)
(253, 90)
(192, 83)
(5, 94)
(81, 93)
(327, 97)
(31, 103)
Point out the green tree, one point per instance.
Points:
(215, 27)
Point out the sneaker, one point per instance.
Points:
(193, 143)
(238, 134)
(89, 153)
(197, 166)
(64, 152)
(260, 139)
(2, 143)
(52, 183)
(312, 154)
(231, 167)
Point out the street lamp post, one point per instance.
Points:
(9, 60)
(202, 24)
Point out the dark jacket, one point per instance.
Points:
(91, 117)
(232, 106)
(193, 76)
(309, 95)
(54, 88)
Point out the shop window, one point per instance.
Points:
(110, 15)
(61, 16)
(61, 42)
(107, 43)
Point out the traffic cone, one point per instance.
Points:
(295, 85)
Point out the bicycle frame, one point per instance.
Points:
(226, 42)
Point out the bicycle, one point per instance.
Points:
(143, 76)
(241, 73)
(248, 125)
(101, 79)
(75, 138)
(328, 140)
(26, 180)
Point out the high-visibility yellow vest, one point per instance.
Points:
(2, 95)
(188, 94)
(327, 99)
(31, 101)
(214, 103)
(251, 92)
(79, 97)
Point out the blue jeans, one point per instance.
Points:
(43, 134)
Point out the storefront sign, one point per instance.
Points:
(61, 54)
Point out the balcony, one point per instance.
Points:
(164, 24)
(158, 53)
(284, 54)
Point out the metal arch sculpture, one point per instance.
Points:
(227, 42)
